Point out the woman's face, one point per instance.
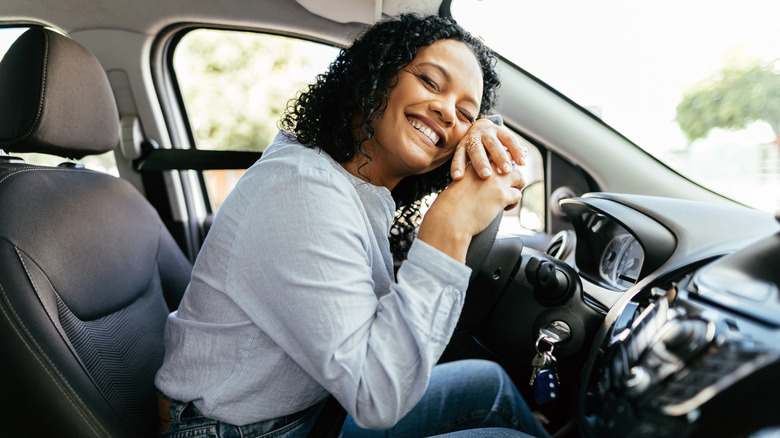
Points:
(429, 110)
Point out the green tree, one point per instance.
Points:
(236, 85)
(732, 99)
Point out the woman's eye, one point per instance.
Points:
(430, 82)
(467, 115)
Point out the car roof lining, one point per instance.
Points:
(337, 19)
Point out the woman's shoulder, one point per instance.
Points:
(286, 150)
(286, 164)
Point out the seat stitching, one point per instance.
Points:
(49, 169)
(43, 93)
(49, 363)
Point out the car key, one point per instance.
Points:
(545, 382)
(538, 363)
(544, 377)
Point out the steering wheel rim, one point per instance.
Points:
(480, 246)
(477, 254)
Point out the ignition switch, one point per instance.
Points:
(550, 283)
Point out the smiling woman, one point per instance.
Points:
(257, 347)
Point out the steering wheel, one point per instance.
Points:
(478, 252)
(480, 245)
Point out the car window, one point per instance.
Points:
(695, 84)
(102, 163)
(235, 86)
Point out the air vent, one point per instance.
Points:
(562, 245)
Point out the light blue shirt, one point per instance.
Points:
(293, 297)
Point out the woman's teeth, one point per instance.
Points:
(425, 130)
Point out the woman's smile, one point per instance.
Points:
(425, 130)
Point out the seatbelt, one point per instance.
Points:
(154, 159)
(330, 420)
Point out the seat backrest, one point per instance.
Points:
(88, 271)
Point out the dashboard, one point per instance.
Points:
(671, 310)
(690, 344)
(619, 254)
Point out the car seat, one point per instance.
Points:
(88, 271)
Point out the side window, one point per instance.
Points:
(529, 216)
(102, 163)
(235, 86)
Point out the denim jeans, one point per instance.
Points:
(468, 398)
(187, 421)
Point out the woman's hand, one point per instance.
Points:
(486, 141)
(467, 207)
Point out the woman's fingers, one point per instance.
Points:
(512, 146)
(458, 168)
(514, 194)
(475, 149)
(485, 142)
(498, 152)
(480, 199)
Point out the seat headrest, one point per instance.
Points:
(55, 98)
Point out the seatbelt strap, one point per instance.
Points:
(330, 420)
(194, 159)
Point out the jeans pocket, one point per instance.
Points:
(297, 429)
(197, 427)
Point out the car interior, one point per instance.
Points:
(654, 301)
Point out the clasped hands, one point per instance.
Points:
(484, 182)
(484, 142)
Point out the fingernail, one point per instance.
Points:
(457, 174)
(485, 172)
(507, 167)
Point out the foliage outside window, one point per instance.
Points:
(235, 86)
(695, 84)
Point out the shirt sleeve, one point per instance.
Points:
(496, 118)
(303, 260)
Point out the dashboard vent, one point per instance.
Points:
(562, 245)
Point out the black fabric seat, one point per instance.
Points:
(88, 272)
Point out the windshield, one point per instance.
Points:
(694, 83)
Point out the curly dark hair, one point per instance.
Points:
(358, 82)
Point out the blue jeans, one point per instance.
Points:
(468, 398)
(186, 421)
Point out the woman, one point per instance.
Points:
(293, 296)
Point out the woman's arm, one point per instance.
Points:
(309, 254)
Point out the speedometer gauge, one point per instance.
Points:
(621, 261)
(609, 257)
(629, 263)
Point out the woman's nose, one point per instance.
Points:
(445, 110)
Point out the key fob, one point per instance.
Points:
(545, 387)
